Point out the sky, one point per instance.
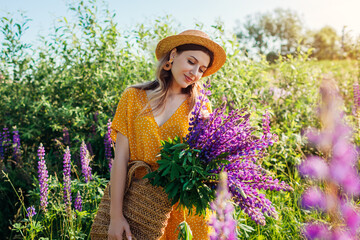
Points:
(315, 13)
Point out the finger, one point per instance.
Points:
(128, 232)
(118, 237)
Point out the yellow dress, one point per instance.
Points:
(144, 137)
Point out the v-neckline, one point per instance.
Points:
(152, 114)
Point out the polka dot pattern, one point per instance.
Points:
(144, 137)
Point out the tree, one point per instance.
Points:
(285, 25)
(350, 45)
(326, 43)
(254, 34)
(278, 31)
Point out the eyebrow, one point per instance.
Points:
(198, 61)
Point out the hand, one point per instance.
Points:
(117, 228)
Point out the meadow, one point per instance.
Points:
(65, 91)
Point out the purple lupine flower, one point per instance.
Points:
(108, 145)
(67, 178)
(314, 198)
(340, 168)
(222, 221)
(232, 137)
(43, 178)
(351, 217)
(6, 136)
(232, 134)
(66, 137)
(30, 212)
(78, 202)
(85, 162)
(317, 231)
(245, 179)
(338, 173)
(314, 167)
(16, 145)
(340, 234)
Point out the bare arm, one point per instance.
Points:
(118, 223)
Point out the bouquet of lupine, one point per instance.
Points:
(189, 168)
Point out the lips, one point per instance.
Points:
(188, 79)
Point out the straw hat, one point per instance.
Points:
(193, 37)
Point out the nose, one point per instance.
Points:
(195, 71)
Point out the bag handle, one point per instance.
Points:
(133, 165)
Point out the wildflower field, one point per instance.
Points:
(58, 99)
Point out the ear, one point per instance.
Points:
(173, 53)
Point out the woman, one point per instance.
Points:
(158, 110)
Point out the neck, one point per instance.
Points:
(175, 89)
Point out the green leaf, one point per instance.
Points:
(169, 187)
(185, 232)
(181, 154)
(174, 172)
(241, 191)
(150, 175)
(163, 167)
(166, 171)
(172, 190)
(179, 146)
(187, 186)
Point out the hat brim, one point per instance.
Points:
(169, 43)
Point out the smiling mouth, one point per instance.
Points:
(188, 79)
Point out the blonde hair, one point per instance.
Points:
(161, 85)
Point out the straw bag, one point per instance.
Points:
(146, 208)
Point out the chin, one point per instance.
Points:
(184, 85)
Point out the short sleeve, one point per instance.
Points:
(120, 122)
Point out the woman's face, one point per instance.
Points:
(188, 66)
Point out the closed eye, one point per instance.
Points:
(201, 70)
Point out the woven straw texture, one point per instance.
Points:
(146, 208)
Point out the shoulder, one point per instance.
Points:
(131, 92)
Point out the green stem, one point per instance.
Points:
(8, 179)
